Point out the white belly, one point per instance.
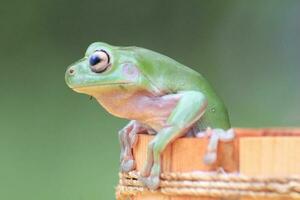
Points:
(139, 105)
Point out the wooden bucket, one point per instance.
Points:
(271, 152)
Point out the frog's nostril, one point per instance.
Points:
(71, 71)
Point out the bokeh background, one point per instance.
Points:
(57, 144)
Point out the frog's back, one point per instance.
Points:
(171, 76)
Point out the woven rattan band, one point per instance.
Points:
(212, 184)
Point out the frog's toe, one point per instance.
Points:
(151, 182)
(127, 165)
(210, 158)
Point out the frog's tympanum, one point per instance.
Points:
(158, 94)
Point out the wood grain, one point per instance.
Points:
(269, 156)
(183, 155)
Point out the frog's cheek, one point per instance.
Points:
(130, 72)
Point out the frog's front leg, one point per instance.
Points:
(189, 109)
(128, 138)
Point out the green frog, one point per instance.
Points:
(158, 94)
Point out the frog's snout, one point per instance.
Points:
(71, 71)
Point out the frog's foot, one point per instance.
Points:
(215, 135)
(152, 181)
(127, 165)
(128, 139)
(127, 161)
(210, 158)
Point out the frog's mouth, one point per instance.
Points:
(99, 88)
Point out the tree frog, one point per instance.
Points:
(158, 94)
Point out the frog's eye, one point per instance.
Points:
(99, 61)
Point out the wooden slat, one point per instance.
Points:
(269, 156)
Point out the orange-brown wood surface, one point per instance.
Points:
(183, 155)
(269, 156)
(272, 152)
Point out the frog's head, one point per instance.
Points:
(103, 66)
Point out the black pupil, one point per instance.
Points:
(94, 60)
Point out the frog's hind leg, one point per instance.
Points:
(189, 109)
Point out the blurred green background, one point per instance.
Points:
(57, 144)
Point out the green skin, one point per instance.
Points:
(158, 94)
